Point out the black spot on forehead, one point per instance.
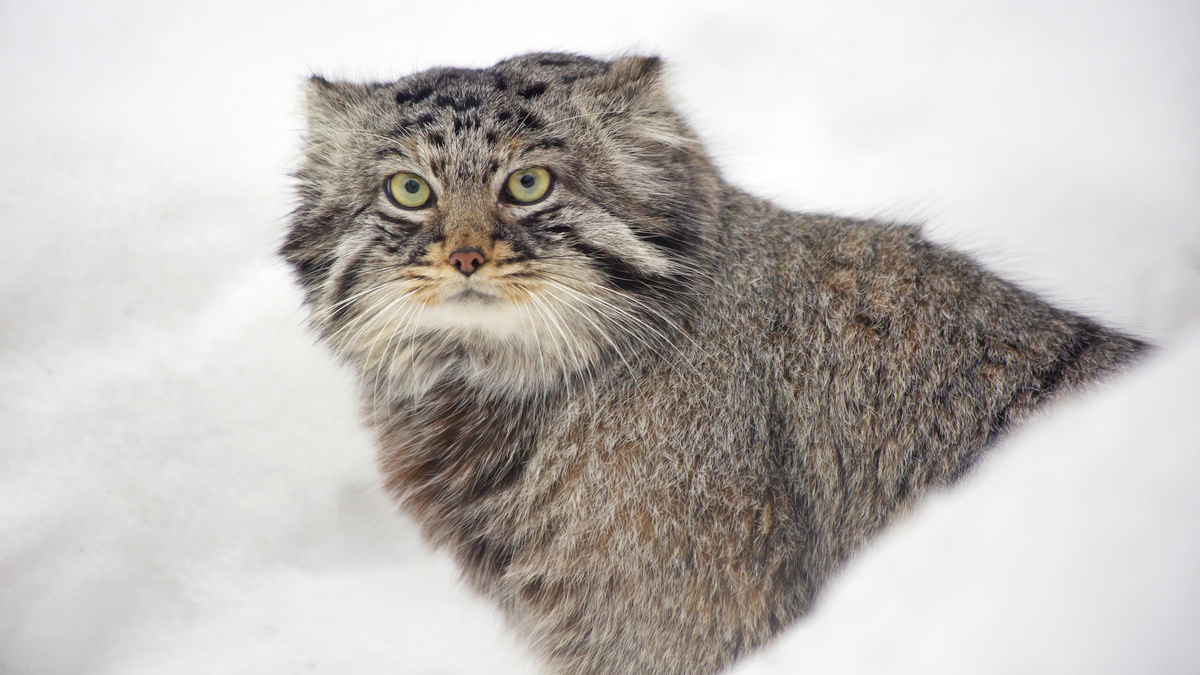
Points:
(464, 88)
(467, 122)
(536, 70)
(442, 77)
(469, 96)
(528, 120)
(417, 88)
(560, 60)
(411, 96)
(523, 118)
(536, 89)
(408, 125)
(460, 103)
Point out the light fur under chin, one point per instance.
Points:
(504, 347)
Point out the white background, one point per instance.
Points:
(183, 484)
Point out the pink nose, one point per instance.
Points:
(467, 260)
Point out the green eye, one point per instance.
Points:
(407, 190)
(529, 185)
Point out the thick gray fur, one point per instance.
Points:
(663, 412)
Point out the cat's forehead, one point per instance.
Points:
(514, 95)
(525, 77)
(463, 120)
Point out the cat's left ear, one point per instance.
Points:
(632, 84)
(326, 102)
(632, 90)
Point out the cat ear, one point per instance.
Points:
(327, 102)
(632, 90)
(631, 84)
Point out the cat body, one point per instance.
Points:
(648, 413)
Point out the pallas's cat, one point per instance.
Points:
(648, 413)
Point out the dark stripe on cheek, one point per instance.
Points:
(420, 246)
(541, 216)
(521, 246)
(313, 270)
(678, 241)
(403, 222)
(346, 284)
(619, 274)
(387, 241)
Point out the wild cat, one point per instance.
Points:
(648, 413)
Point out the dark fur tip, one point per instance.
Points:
(637, 68)
(632, 79)
(650, 65)
(325, 98)
(532, 91)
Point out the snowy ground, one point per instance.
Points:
(183, 484)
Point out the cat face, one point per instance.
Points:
(511, 226)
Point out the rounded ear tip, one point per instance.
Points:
(652, 64)
(325, 98)
(318, 82)
(637, 66)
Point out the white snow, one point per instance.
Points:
(184, 487)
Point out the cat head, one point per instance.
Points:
(512, 227)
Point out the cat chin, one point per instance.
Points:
(495, 349)
(476, 314)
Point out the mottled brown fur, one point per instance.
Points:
(683, 408)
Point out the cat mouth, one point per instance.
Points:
(470, 296)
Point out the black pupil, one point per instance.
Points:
(411, 186)
(527, 181)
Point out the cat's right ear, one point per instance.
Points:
(327, 103)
